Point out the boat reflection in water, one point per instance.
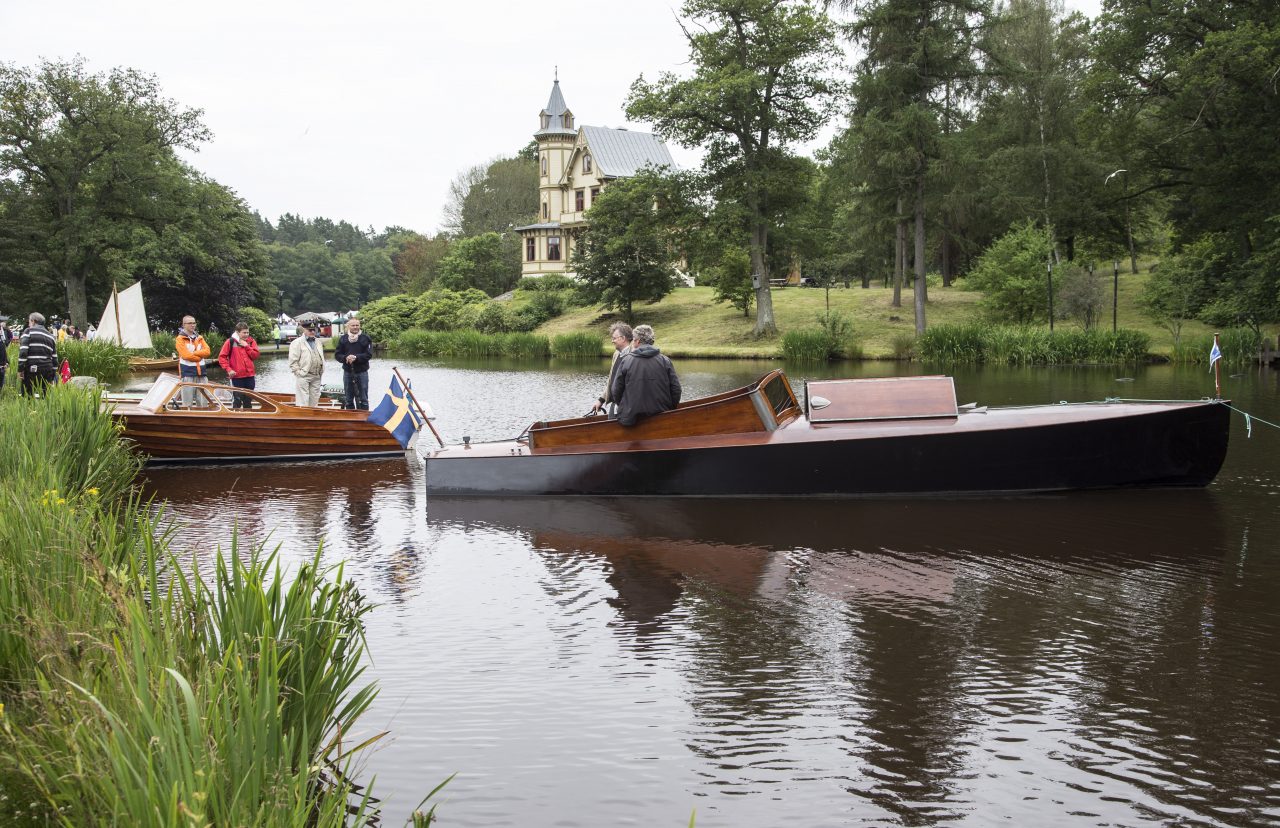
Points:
(850, 551)
(364, 511)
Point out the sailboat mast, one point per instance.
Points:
(115, 303)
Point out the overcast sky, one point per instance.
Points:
(364, 111)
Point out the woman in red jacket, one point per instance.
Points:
(236, 358)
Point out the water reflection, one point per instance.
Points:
(1101, 658)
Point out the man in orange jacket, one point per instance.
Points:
(192, 352)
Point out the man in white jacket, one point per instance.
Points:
(306, 361)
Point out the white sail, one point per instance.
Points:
(134, 331)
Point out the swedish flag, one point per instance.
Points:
(396, 415)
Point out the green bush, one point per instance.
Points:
(214, 341)
(138, 689)
(1239, 346)
(467, 342)
(806, 346)
(104, 360)
(1012, 275)
(261, 326)
(1018, 345)
(493, 318)
(578, 345)
(387, 318)
(162, 345)
(550, 283)
(903, 345)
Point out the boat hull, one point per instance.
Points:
(1039, 449)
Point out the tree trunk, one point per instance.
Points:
(765, 325)
(77, 301)
(1128, 231)
(946, 255)
(922, 291)
(899, 255)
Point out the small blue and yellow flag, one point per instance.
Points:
(396, 414)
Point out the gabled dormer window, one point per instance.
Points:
(568, 119)
(586, 162)
(546, 120)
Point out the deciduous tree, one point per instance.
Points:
(762, 81)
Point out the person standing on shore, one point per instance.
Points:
(192, 352)
(620, 333)
(355, 349)
(306, 361)
(236, 358)
(37, 356)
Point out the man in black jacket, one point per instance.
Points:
(646, 381)
(37, 356)
(354, 351)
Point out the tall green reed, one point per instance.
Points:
(578, 345)
(138, 689)
(1013, 345)
(105, 360)
(470, 342)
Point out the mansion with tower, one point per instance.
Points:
(574, 165)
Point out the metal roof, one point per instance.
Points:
(555, 112)
(620, 153)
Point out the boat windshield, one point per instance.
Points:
(778, 392)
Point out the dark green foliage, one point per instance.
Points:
(104, 360)
(579, 345)
(385, 319)
(489, 262)
(1013, 275)
(551, 283)
(261, 326)
(732, 280)
(1239, 346)
(974, 344)
(761, 82)
(832, 339)
(628, 253)
(418, 342)
(1082, 295)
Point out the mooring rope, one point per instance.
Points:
(1248, 420)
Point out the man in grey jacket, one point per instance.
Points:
(646, 381)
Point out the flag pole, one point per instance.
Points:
(409, 391)
(1217, 369)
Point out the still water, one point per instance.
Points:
(1088, 659)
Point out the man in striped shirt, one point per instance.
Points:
(37, 356)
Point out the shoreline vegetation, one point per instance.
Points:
(140, 687)
(817, 325)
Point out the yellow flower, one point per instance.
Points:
(92, 492)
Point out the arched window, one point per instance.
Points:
(544, 163)
(586, 162)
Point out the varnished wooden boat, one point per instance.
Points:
(166, 430)
(140, 364)
(850, 438)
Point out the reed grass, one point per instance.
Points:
(806, 346)
(104, 360)
(469, 342)
(1012, 345)
(162, 344)
(1239, 346)
(578, 345)
(138, 689)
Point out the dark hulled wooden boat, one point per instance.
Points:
(850, 438)
(167, 429)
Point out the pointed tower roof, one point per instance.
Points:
(556, 119)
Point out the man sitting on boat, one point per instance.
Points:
(620, 333)
(646, 381)
(192, 351)
(306, 361)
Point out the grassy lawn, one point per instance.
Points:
(689, 324)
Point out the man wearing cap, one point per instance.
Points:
(306, 361)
